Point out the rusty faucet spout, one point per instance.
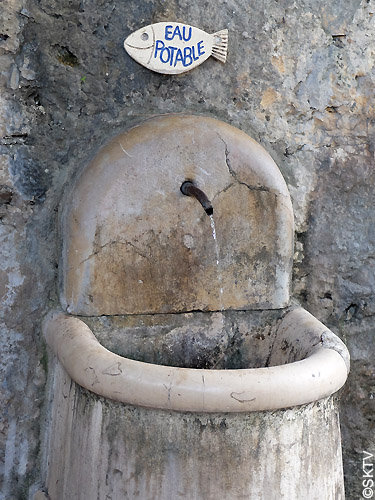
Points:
(188, 188)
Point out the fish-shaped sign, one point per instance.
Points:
(173, 48)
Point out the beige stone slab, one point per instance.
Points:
(133, 243)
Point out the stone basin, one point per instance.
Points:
(248, 412)
(209, 362)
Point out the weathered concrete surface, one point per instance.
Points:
(134, 244)
(299, 79)
(150, 454)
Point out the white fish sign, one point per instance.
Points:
(173, 48)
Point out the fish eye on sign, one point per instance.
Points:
(173, 48)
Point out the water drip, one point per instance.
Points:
(219, 275)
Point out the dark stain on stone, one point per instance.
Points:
(66, 57)
(260, 336)
(29, 177)
(331, 109)
(6, 195)
(339, 40)
(284, 345)
(351, 311)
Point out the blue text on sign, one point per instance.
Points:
(170, 33)
(172, 55)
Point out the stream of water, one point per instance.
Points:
(219, 275)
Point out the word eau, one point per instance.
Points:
(169, 35)
(368, 475)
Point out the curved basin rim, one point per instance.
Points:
(99, 370)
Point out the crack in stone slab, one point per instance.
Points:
(236, 396)
(113, 242)
(224, 190)
(168, 389)
(93, 373)
(234, 174)
(113, 370)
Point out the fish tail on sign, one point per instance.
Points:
(220, 45)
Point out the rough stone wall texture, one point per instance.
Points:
(299, 79)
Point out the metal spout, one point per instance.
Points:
(189, 189)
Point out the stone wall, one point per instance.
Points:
(299, 79)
